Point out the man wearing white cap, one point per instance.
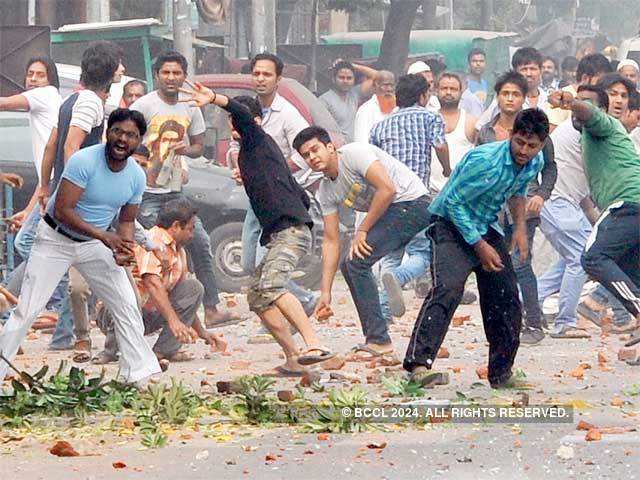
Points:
(468, 102)
(629, 69)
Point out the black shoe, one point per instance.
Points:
(531, 336)
(468, 297)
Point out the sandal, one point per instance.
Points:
(429, 378)
(570, 333)
(103, 358)
(374, 354)
(82, 351)
(309, 359)
(634, 338)
(45, 321)
(179, 356)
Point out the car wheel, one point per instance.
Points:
(226, 247)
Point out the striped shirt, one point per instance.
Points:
(148, 263)
(480, 185)
(408, 135)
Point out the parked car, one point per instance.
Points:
(225, 228)
(221, 203)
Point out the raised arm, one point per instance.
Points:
(14, 103)
(582, 111)
(370, 74)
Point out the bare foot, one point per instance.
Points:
(218, 345)
(593, 305)
(215, 318)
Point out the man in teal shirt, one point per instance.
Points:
(467, 238)
(612, 165)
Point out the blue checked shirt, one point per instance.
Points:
(480, 185)
(408, 135)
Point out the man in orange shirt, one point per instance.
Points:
(169, 295)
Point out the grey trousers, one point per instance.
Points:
(185, 299)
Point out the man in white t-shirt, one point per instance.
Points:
(42, 100)
(175, 132)
(369, 180)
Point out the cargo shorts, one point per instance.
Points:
(284, 251)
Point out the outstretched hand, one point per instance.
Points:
(198, 96)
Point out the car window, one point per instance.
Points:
(16, 137)
(215, 119)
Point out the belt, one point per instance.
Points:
(58, 228)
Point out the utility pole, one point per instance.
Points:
(313, 84)
(98, 11)
(182, 35)
(263, 26)
(486, 15)
(31, 12)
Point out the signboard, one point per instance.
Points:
(585, 27)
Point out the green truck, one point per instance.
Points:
(454, 45)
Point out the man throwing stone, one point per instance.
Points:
(97, 183)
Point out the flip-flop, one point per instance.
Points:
(634, 339)
(179, 356)
(285, 373)
(570, 333)
(374, 353)
(430, 378)
(308, 359)
(45, 321)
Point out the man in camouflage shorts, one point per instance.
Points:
(281, 206)
(285, 250)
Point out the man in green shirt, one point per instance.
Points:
(612, 165)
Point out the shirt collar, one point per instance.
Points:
(278, 103)
(162, 235)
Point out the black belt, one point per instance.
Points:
(58, 228)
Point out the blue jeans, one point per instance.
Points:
(60, 301)
(406, 264)
(566, 227)
(620, 314)
(253, 252)
(394, 230)
(527, 281)
(199, 248)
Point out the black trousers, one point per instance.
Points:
(453, 262)
(612, 254)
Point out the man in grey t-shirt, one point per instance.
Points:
(345, 96)
(175, 130)
(365, 178)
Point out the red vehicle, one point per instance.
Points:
(217, 136)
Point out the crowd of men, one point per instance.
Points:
(447, 176)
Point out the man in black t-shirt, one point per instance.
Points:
(281, 206)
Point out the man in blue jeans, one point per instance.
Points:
(367, 179)
(80, 125)
(511, 90)
(408, 135)
(282, 121)
(175, 131)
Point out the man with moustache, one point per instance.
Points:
(98, 183)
